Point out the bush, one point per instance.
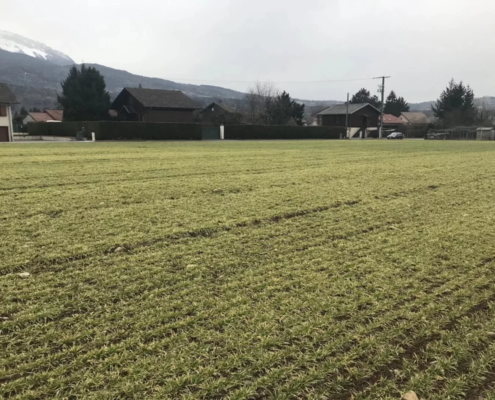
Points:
(260, 132)
(120, 130)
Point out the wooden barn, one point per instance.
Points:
(154, 105)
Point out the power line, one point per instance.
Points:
(251, 81)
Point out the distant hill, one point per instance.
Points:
(35, 71)
(424, 106)
(29, 74)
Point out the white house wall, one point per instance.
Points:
(7, 121)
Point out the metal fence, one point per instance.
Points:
(460, 133)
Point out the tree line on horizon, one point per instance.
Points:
(84, 98)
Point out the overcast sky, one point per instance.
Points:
(422, 44)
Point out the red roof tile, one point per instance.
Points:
(40, 117)
(56, 115)
(391, 119)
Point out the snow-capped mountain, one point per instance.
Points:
(14, 43)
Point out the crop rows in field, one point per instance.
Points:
(331, 279)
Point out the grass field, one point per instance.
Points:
(311, 269)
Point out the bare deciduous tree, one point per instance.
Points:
(259, 98)
(485, 115)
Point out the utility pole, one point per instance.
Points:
(380, 134)
(347, 134)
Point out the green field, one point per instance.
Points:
(206, 270)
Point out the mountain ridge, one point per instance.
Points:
(15, 43)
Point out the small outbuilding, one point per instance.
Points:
(485, 134)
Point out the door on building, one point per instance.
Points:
(4, 134)
(211, 133)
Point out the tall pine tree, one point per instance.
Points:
(364, 96)
(282, 108)
(395, 105)
(455, 105)
(84, 95)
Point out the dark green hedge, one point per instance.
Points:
(262, 132)
(147, 131)
(120, 130)
(56, 128)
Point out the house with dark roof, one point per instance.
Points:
(218, 113)
(7, 99)
(363, 118)
(154, 105)
(45, 116)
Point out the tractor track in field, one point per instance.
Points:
(29, 188)
(37, 265)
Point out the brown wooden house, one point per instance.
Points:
(154, 105)
(363, 118)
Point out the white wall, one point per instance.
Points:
(7, 121)
(28, 119)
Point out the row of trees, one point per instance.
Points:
(394, 105)
(267, 106)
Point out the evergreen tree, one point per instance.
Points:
(23, 112)
(395, 105)
(364, 96)
(84, 95)
(455, 105)
(282, 108)
(35, 110)
(298, 113)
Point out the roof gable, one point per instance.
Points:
(6, 95)
(56, 115)
(416, 117)
(40, 117)
(341, 109)
(391, 119)
(162, 98)
(223, 106)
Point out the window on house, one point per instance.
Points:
(337, 119)
(3, 111)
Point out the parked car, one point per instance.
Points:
(395, 135)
